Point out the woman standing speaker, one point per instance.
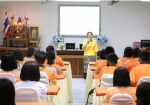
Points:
(90, 51)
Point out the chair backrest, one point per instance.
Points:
(144, 79)
(121, 99)
(9, 76)
(107, 80)
(44, 78)
(28, 59)
(52, 69)
(27, 94)
(18, 68)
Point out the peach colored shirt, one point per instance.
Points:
(132, 63)
(59, 72)
(107, 70)
(142, 70)
(50, 74)
(15, 73)
(103, 63)
(123, 60)
(58, 61)
(115, 90)
(96, 63)
(21, 62)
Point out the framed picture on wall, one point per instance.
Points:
(33, 34)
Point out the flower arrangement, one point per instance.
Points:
(58, 39)
(12, 18)
(61, 45)
(25, 21)
(102, 39)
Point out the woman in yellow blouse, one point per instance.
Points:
(90, 51)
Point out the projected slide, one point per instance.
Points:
(78, 20)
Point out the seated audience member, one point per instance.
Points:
(103, 63)
(7, 92)
(51, 57)
(143, 94)
(30, 76)
(111, 62)
(135, 61)
(30, 53)
(19, 57)
(58, 59)
(40, 57)
(142, 70)
(127, 55)
(102, 57)
(8, 64)
(121, 82)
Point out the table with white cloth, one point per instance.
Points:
(68, 74)
(62, 97)
(89, 81)
(99, 95)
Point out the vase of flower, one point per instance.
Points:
(61, 45)
(102, 39)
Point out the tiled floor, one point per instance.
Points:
(78, 91)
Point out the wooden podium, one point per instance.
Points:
(76, 58)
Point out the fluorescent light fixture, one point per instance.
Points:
(145, 0)
(78, 0)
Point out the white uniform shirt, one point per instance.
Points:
(39, 87)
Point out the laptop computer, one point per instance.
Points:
(70, 46)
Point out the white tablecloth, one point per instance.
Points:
(62, 97)
(97, 100)
(89, 80)
(68, 74)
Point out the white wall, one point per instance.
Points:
(123, 23)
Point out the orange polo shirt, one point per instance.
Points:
(96, 63)
(107, 70)
(15, 73)
(103, 63)
(59, 72)
(30, 57)
(123, 60)
(50, 74)
(21, 62)
(142, 70)
(115, 90)
(58, 61)
(132, 63)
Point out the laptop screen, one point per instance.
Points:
(70, 45)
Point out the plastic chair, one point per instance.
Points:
(27, 94)
(107, 80)
(144, 79)
(28, 59)
(44, 78)
(52, 69)
(121, 99)
(18, 68)
(9, 76)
